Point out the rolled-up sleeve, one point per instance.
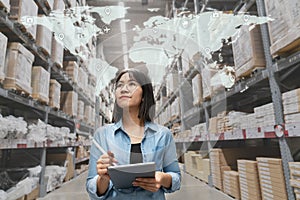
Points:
(170, 165)
(91, 182)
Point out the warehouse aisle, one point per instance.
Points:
(191, 189)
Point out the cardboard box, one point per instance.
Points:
(82, 79)
(70, 166)
(69, 103)
(248, 51)
(71, 68)
(197, 90)
(44, 38)
(57, 52)
(3, 46)
(284, 31)
(276, 161)
(18, 68)
(54, 94)
(20, 9)
(40, 79)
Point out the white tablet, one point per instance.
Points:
(123, 176)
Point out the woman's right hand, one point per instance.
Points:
(103, 163)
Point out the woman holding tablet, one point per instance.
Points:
(133, 138)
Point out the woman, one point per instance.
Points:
(133, 138)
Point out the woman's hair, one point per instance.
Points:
(147, 106)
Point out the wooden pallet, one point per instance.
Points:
(23, 29)
(12, 84)
(41, 99)
(248, 73)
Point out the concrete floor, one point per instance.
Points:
(191, 188)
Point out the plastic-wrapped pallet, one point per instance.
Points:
(57, 52)
(18, 68)
(248, 51)
(40, 79)
(72, 70)
(284, 30)
(80, 111)
(3, 46)
(234, 119)
(44, 38)
(271, 178)
(197, 90)
(249, 180)
(231, 184)
(55, 175)
(69, 102)
(20, 9)
(5, 4)
(12, 127)
(295, 177)
(54, 94)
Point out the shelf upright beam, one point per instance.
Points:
(181, 101)
(277, 100)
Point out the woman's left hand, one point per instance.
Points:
(152, 184)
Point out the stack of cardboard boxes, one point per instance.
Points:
(291, 106)
(271, 178)
(231, 184)
(249, 180)
(284, 31)
(218, 166)
(295, 177)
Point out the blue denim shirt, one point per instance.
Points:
(157, 146)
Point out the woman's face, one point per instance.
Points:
(128, 92)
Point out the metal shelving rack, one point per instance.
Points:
(253, 90)
(11, 99)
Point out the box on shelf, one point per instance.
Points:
(54, 94)
(71, 69)
(5, 4)
(20, 9)
(80, 111)
(284, 30)
(57, 52)
(271, 177)
(197, 90)
(69, 102)
(40, 79)
(18, 66)
(3, 46)
(249, 179)
(207, 87)
(70, 167)
(231, 184)
(248, 52)
(44, 38)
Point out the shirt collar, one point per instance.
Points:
(148, 125)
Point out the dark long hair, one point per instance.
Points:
(147, 106)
